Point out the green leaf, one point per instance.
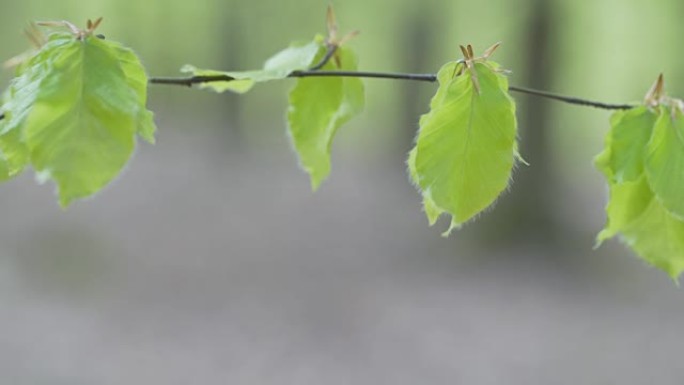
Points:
(137, 81)
(429, 207)
(665, 161)
(18, 100)
(623, 157)
(73, 111)
(658, 237)
(239, 86)
(296, 57)
(628, 200)
(411, 164)
(318, 106)
(15, 155)
(466, 145)
(5, 166)
(631, 163)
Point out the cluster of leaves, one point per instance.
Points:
(73, 111)
(77, 104)
(318, 106)
(466, 147)
(643, 163)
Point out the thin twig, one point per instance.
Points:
(570, 99)
(363, 74)
(189, 81)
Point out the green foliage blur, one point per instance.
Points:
(609, 51)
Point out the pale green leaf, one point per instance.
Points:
(18, 101)
(627, 202)
(623, 157)
(239, 86)
(137, 81)
(5, 166)
(466, 145)
(318, 106)
(658, 237)
(429, 207)
(411, 164)
(14, 153)
(296, 57)
(664, 162)
(73, 112)
(634, 166)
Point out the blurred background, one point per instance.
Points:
(209, 260)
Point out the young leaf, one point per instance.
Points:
(296, 57)
(15, 154)
(318, 107)
(137, 81)
(6, 171)
(429, 207)
(627, 202)
(623, 157)
(466, 145)
(634, 210)
(74, 111)
(658, 237)
(664, 161)
(17, 101)
(622, 164)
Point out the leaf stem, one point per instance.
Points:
(332, 48)
(190, 81)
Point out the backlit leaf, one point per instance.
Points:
(318, 106)
(279, 66)
(639, 146)
(466, 145)
(137, 81)
(627, 202)
(73, 112)
(623, 157)
(429, 207)
(665, 161)
(658, 237)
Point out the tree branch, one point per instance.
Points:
(190, 81)
(570, 99)
(314, 72)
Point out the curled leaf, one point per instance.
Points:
(318, 106)
(279, 66)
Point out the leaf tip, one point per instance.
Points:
(600, 238)
(454, 225)
(432, 211)
(64, 203)
(656, 92)
(315, 180)
(489, 51)
(673, 270)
